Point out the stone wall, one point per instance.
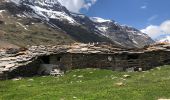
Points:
(117, 61)
(145, 60)
(92, 61)
(154, 59)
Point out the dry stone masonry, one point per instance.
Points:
(55, 60)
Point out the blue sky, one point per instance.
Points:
(136, 13)
(149, 16)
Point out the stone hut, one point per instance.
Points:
(55, 60)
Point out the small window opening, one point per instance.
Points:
(132, 57)
(166, 61)
(58, 58)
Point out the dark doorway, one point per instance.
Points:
(45, 59)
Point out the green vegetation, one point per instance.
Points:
(91, 84)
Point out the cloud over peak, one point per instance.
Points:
(156, 30)
(77, 5)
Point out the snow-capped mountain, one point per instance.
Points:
(78, 26)
(120, 34)
(46, 9)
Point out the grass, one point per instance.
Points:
(91, 84)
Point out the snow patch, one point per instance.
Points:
(102, 28)
(1, 11)
(45, 10)
(52, 14)
(17, 2)
(21, 15)
(39, 10)
(99, 20)
(134, 41)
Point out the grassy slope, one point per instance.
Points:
(27, 31)
(94, 85)
(21, 32)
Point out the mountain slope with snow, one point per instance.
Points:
(120, 34)
(78, 26)
(47, 9)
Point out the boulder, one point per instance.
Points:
(126, 76)
(120, 84)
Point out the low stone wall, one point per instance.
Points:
(118, 61)
(91, 61)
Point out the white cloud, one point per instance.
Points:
(152, 31)
(77, 5)
(155, 31)
(165, 26)
(152, 18)
(143, 7)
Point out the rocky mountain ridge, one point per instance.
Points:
(78, 26)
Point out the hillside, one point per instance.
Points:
(23, 31)
(91, 84)
(32, 22)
